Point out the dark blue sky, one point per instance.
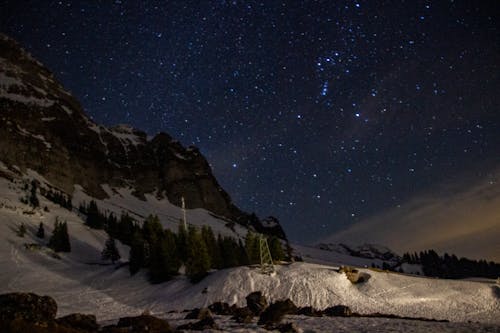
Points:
(321, 113)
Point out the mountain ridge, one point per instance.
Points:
(45, 129)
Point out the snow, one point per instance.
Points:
(81, 282)
(40, 137)
(126, 135)
(122, 200)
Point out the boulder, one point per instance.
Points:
(199, 314)
(354, 275)
(275, 312)
(27, 306)
(80, 321)
(207, 323)
(222, 309)
(338, 311)
(242, 315)
(309, 311)
(142, 323)
(256, 302)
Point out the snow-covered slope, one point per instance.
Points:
(80, 282)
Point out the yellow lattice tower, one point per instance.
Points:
(266, 261)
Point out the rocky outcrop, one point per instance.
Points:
(199, 314)
(139, 324)
(27, 312)
(338, 311)
(256, 302)
(28, 307)
(44, 128)
(243, 315)
(273, 314)
(80, 321)
(207, 323)
(222, 308)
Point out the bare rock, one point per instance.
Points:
(143, 323)
(79, 321)
(309, 311)
(27, 306)
(199, 314)
(256, 302)
(207, 323)
(338, 311)
(276, 311)
(243, 315)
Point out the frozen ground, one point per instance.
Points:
(80, 282)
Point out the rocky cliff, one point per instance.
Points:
(44, 128)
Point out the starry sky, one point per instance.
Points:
(321, 113)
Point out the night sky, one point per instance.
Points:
(321, 113)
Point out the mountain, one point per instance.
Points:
(44, 130)
(462, 220)
(367, 251)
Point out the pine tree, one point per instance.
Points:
(164, 259)
(33, 199)
(136, 255)
(59, 241)
(212, 248)
(198, 261)
(276, 249)
(252, 247)
(94, 217)
(229, 251)
(243, 256)
(110, 251)
(41, 231)
(21, 231)
(65, 244)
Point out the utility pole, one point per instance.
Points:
(266, 261)
(184, 213)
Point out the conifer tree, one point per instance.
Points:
(136, 255)
(243, 256)
(110, 251)
(41, 231)
(276, 249)
(33, 199)
(229, 251)
(66, 246)
(212, 248)
(59, 241)
(164, 261)
(94, 217)
(198, 261)
(21, 231)
(253, 248)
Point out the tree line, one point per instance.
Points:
(451, 267)
(162, 252)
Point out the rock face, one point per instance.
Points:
(44, 128)
(27, 306)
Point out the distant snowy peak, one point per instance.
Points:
(368, 251)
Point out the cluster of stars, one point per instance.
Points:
(318, 113)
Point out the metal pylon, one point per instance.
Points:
(266, 261)
(184, 213)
